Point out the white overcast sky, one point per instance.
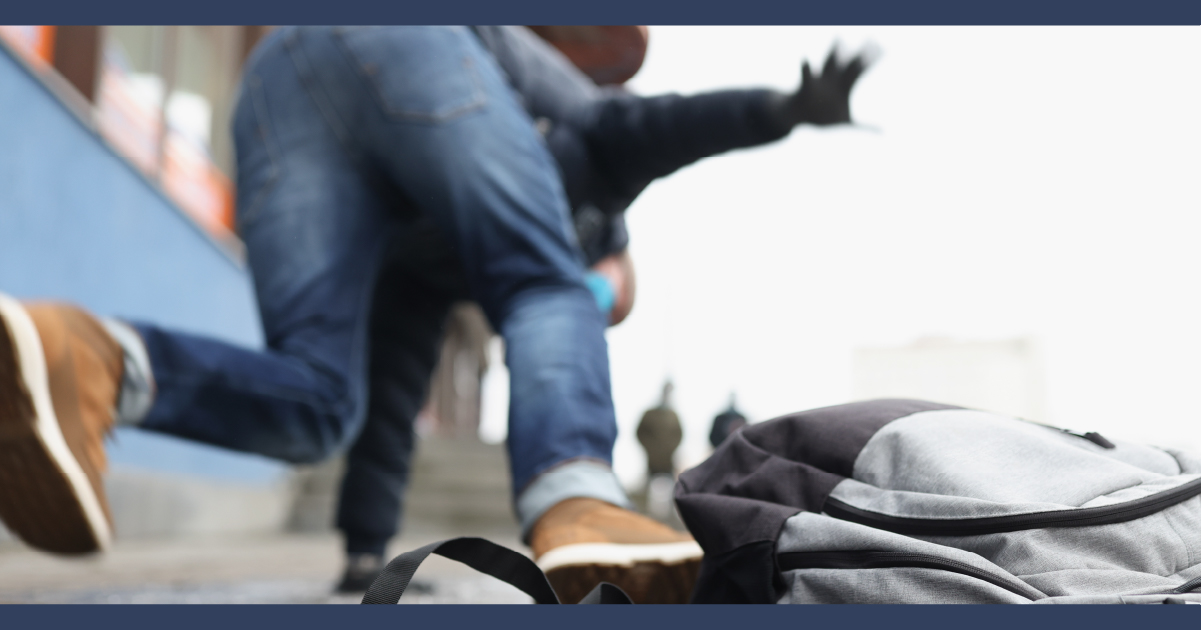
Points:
(1015, 181)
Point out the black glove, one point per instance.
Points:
(825, 99)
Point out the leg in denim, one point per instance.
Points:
(450, 133)
(315, 220)
(339, 131)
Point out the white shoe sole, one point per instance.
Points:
(51, 447)
(612, 554)
(649, 574)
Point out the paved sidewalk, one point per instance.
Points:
(283, 569)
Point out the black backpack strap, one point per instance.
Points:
(482, 555)
(486, 557)
(606, 593)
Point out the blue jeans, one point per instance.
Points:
(356, 147)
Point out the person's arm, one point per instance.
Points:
(635, 140)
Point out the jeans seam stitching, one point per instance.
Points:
(315, 89)
(258, 106)
(477, 100)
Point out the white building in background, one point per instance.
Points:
(1004, 376)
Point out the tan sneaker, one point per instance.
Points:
(582, 542)
(60, 373)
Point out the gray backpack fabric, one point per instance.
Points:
(903, 501)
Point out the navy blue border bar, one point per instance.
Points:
(882, 12)
(826, 12)
(597, 617)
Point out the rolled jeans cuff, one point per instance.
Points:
(137, 379)
(574, 479)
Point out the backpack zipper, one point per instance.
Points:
(791, 560)
(1079, 517)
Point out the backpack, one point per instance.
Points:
(905, 501)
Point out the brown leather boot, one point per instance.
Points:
(582, 542)
(60, 374)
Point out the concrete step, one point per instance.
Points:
(455, 485)
(459, 484)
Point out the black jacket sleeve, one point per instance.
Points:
(631, 140)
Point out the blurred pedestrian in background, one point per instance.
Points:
(726, 423)
(660, 433)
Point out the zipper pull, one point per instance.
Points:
(1092, 436)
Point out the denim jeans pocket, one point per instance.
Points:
(418, 73)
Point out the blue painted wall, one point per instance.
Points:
(77, 222)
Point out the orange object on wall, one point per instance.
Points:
(129, 113)
(45, 47)
(34, 43)
(609, 55)
(190, 178)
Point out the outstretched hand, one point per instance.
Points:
(825, 99)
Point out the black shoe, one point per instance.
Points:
(361, 571)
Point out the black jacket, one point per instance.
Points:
(610, 144)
